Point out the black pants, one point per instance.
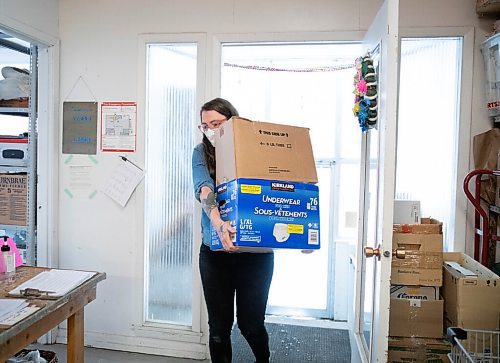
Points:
(248, 275)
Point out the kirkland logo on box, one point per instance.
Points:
(270, 214)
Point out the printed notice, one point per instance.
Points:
(125, 178)
(79, 176)
(118, 126)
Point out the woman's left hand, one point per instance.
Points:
(226, 233)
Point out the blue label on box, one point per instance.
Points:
(270, 213)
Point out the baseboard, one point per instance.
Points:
(144, 345)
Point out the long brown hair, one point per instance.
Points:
(225, 108)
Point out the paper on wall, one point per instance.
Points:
(124, 179)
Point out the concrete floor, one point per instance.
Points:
(96, 355)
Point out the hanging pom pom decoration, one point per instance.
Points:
(365, 93)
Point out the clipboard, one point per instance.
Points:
(51, 284)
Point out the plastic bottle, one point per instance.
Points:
(8, 257)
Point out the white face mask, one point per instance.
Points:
(210, 134)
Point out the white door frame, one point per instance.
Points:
(163, 338)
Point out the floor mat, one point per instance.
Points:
(297, 344)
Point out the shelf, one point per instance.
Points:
(14, 111)
(13, 169)
(12, 227)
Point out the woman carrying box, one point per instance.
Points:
(229, 273)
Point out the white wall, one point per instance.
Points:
(99, 42)
(99, 62)
(37, 18)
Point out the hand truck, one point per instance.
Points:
(482, 233)
(475, 346)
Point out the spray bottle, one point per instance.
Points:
(8, 258)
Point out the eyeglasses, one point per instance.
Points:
(211, 125)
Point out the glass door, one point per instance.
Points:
(373, 263)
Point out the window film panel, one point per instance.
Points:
(428, 124)
(171, 118)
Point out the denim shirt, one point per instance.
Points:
(201, 177)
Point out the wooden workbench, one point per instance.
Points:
(52, 313)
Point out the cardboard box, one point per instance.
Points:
(262, 150)
(497, 194)
(406, 212)
(422, 245)
(426, 226)
(270, 214)
(415, 292)
(405, 350)
(471, 301)
(416, 318)
(13, 198)
(487, 6)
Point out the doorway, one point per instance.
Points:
(307, 84)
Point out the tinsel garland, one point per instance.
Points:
(365, 91)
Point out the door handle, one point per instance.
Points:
(401, 254)
(371, 251)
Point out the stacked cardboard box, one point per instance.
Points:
(404, 350)
(265, 179)
(422, 245)
(416, 307)
(471, 293)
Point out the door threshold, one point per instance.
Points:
(304, 321)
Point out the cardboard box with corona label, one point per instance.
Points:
(270, 214)
(13, 199)
(420, 257)
(471, 293)
(416, 311)
(263, 150)
(415, 292)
